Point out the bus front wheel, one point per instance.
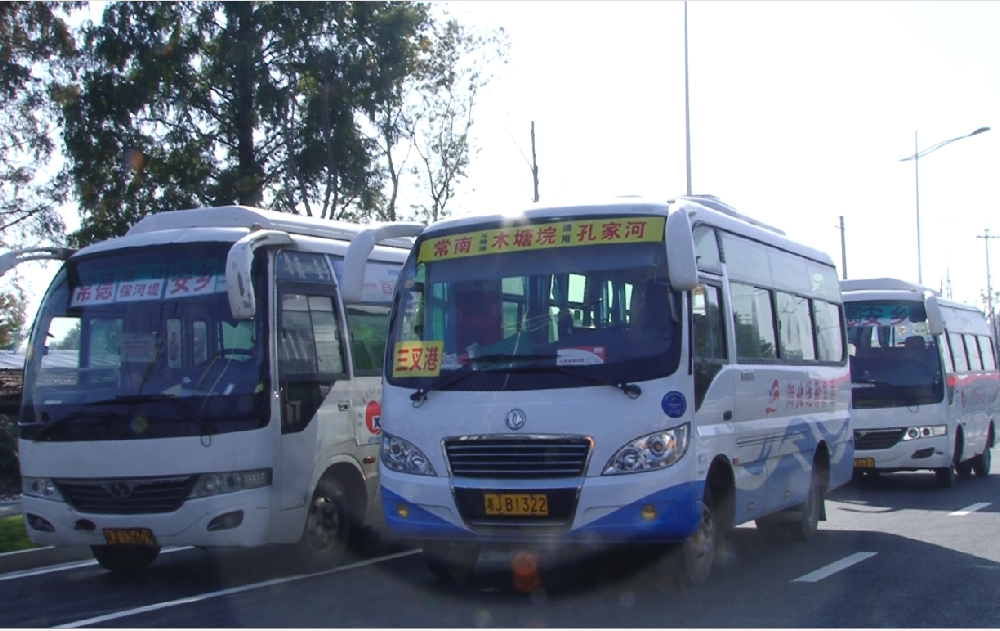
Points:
(125, 559)
(698, 550)
(327, 527)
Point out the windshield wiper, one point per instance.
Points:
(204, 425)
(51, 425)
(449, 380)
(631, 389)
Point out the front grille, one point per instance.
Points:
(561, 503)
(520, 458)
(877, 438)
(126, 496)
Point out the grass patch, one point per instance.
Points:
(13, 536)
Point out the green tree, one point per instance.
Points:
(36, 53)
(455, 68)
(12, 318)
(210, 103)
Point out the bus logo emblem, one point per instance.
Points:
(515, 419)
(119, 490)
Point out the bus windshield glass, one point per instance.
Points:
(895, 361)
(537, 316)
(142, 344)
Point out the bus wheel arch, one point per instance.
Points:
(330, 517)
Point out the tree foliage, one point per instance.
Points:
(36, 53)
(211, 103)
(13, 317)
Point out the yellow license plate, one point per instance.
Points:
(516, 504)
(129, 537)
(864, 463)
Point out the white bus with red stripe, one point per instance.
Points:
(200, 382)
(925, 386)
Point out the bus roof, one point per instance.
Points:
(860, 289)
(247, 216)
(706, 208)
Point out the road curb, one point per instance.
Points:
(41, 557)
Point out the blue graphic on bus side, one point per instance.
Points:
(674, 404)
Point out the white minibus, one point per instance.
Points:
(199, 382)
(628, 371)
(924, 384)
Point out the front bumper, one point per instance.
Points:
(187, 526)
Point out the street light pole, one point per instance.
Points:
(843, 250)
(986, 236)
(687, 102)
(916, 170)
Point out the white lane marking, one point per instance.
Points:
(823, 572)
(227, 592)
(68, 566)
(969, 509)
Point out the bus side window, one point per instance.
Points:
(989, 359)
(709, 338)
(310, 356)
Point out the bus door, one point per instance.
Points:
(714, 392)
(314, 389)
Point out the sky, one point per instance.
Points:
(800, 113)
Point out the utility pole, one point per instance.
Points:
(989, 284)
(534, 163)
(687, 100)
(843, 250)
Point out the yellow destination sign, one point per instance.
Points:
(417, 359)
(560, 234)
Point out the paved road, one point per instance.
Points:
(898, 553)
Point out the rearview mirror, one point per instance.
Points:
(682, 267)
(935, 320)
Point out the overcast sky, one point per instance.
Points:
(800, 114)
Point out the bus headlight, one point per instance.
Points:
(400, 455)
(210, 484)
(913, 433)
(44, 488)
(647, 453)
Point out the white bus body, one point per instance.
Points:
(925, 387)
(529, 399)
(199, 382)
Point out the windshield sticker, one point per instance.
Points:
(580, 356)
(96, 288)
(417, 359)
(174, 343)
(138, 348)
(194, 279)
(544, 236)
(674, 404)
(875, 315)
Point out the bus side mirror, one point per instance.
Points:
(935, 321)
(682, 266)
(352, 280)
(239, 283)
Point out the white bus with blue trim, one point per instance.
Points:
(199, 382)
(630, 371)
(925, 385)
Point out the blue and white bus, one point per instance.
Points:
(631, 371)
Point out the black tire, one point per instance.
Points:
(698, 550)
(945, 477)
(125, 559)
(982, 463)
(451, 562)
(805, 529)
(327, 528)
(964, 469)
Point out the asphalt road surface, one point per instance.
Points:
(898, 552)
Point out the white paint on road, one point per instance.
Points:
(833, 568)
(226, 592)
(67, 566)
(969, 509)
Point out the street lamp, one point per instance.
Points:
(986, 236)
(916, 169)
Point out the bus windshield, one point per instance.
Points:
(538, 318)
(149, 328)
(895, 361)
